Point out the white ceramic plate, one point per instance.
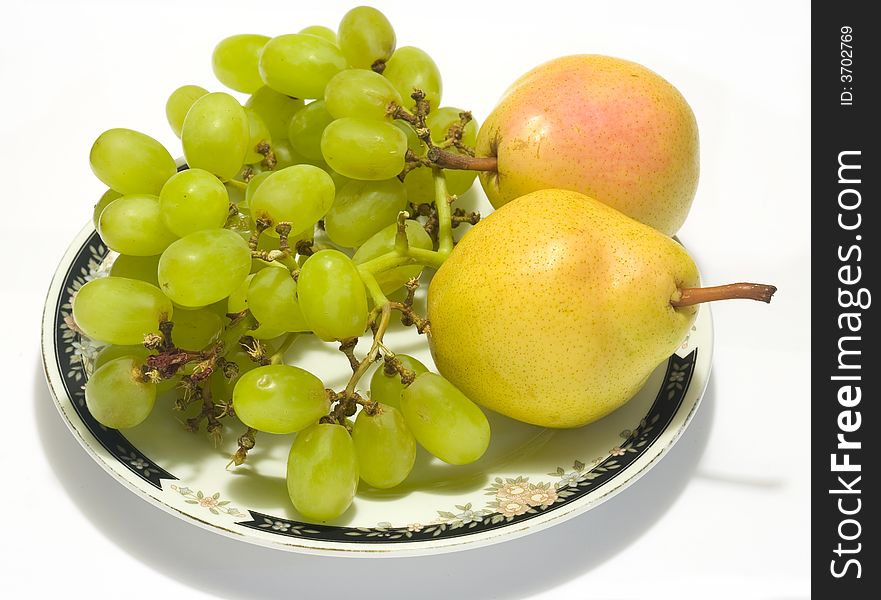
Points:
(530, 478)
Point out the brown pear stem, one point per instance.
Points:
(746, 291)
(462, 162)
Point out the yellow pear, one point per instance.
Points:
(556, 308)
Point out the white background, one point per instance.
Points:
(725, 514)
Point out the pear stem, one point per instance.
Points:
(462, 162)
(746, 291)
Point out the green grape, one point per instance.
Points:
(383, 242)
(238, 301)
(179, 104)
(440, 120)
(215, 135)
(252, 187)
(306, 128)
(361, 208)
(299, 195)
(204, 267)
(420, 182)
(272, 298)
(385, 447)
(322, 32)
(360, 93)
(120, 311)
(300, 65)
(411, 69)
(413, 142)
(259, 135)
(364, 148)
(106, 198)
(193, 199)
(279, 399)
(130, 162)
(222, 386)
(111, 352)
(275, 109)
(133, 225)
(142, 268)
(387, 388)
(235, 62)
(332, 296)
(322, 474)
(196, 329)
(366, 37)
(285, 156)
(116, 396)
(444, 421)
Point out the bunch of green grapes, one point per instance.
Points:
(274, 228)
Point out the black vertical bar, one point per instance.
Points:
(845, 224)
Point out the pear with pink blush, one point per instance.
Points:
(605, 127)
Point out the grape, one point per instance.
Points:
(322, 32)
(360, 93)
(204, 267)
(131, 162)
(364, 148)
(444, 421)
(279, 399)
(361, 208)
(413, 141)
(112, 352)
(106, 198)
(383, 242)
(385, 447)
(299, 195)
(272, 298)
(322, 473)
(300, 65)
(306, 128)
(179, 104)
(275, 109)
(193, 199)
(285, 156)
(386, 388)
(116, 397)
(440, 120)
(259, 135)
(332, 296)
(196, 329)
(215, 135)
(238, 301)
(252, 187)
(410, 69)
(142, 268)
(221, 387)
(420, 182)
(133, 225)
(120, 311)
(235, 62)
(366, 37)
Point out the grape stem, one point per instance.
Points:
(385, 317)
(461, 162)
(442, 200)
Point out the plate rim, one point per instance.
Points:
(513, 530)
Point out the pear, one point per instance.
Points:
(606, 127)
(556, 308)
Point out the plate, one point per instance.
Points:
(529, 479)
